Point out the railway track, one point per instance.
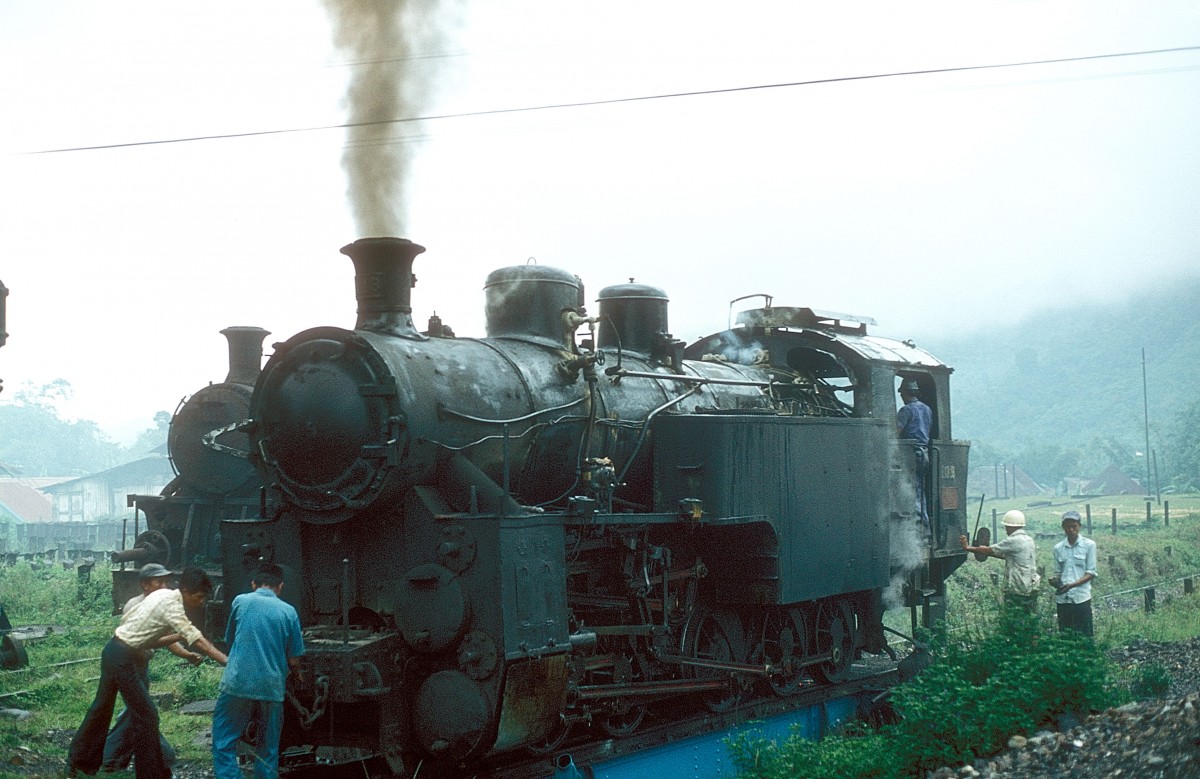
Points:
(696, 744)
(669, 743)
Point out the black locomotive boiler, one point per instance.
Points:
(490, 539)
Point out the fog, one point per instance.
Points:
(164, 173)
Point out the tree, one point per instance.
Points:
(37, 442)
(1183, 449)
(153, 437)
(1104, 451)
(1049, 464)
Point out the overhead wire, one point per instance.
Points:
(621, 100)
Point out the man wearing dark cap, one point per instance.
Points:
(118, 747)
(914, 421)
(159, 620)
(1074, 569)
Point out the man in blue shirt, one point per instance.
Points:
(913, 423)
(264, 642)
(1074, 569)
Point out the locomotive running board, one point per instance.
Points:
(602, 691)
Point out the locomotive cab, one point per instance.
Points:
(827, 364)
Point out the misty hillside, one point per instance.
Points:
(1073, 374)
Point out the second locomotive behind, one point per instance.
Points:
(214, 480)
(489, 539)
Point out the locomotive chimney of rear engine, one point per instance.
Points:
(383, 282)
(245, 353)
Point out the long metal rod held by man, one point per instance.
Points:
(986, 538)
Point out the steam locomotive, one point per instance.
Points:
(490, 540)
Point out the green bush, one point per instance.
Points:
(978, 695)
(986, 686)
(55, 596)
(1149, 681)
(854, 752)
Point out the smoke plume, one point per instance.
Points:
(391, 45)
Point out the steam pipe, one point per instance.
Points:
(564, 768)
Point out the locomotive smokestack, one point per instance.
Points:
(383, 282)
(245, 353)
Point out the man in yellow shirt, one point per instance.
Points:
(118, 747)
(160, 620)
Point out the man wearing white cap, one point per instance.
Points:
(1020, 561)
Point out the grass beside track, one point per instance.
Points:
(57, 691)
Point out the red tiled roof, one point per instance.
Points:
(26, 502)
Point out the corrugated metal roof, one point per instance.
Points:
(138, 471)
(874, 347)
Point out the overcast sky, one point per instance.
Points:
(936, 203)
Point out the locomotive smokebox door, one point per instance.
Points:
(329, 425)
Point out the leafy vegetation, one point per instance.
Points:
(60, 681)
(1184, 448)
(998, 673)
(985, 686)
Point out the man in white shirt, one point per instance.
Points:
(1074, 569)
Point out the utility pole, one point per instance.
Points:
(1146, 413)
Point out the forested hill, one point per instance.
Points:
(1073, 375)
